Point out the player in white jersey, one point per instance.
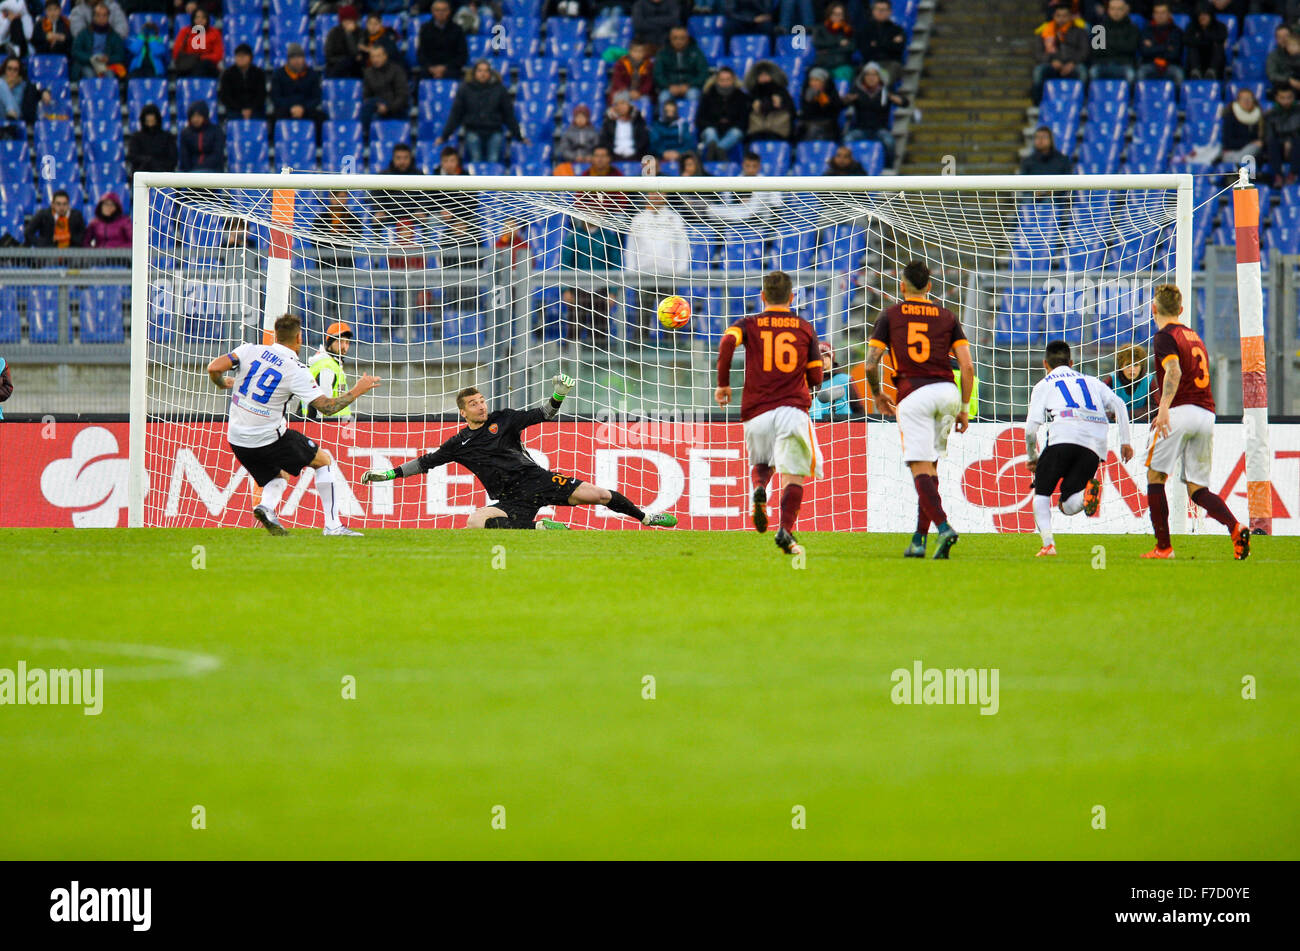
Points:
(266, 377)
(1075, 407)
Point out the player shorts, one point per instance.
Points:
(291, 452)
(1069, 464)
(522, 499)
(1190, 439)
(783, 438)
(925, 418)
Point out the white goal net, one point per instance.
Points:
(501, 283)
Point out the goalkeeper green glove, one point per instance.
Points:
(378, 475)
(562, 385)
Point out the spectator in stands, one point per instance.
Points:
(1044, 158)
(658, 253)
(343, 59)
(625, 132)
(842, 162)
(833, 41)
(449, 162)
(1131, 382)
(1283, 63)
(295, 88)
(576, 141)
(152, 148)
(723, 114)
(633, 73)
(1161, 49)
(98, 50)
(1282, 135)
(6, 384)
(884, 42)
(243, 87)
(755, 208)
(1116, 58)
(397, 206)
(444, 51)
(16, 28)
(680, 69)
(147, 53)
(745, 17)
(587, 247)
(1205, 40)
(581, 9)
(652, 19)
(83, 15)
(837, 398)
(1062, 49)
(111, 226)
(792, 13)
(671, 136)
(58, 226)
(486, 109)
(872, 104)
(202, 146)
(771, 112)
(384, 90)
(376, 34)
(819, 108)
(53, 33)
(1243, 129)
(19, 97)
(198, 50)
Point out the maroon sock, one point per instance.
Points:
(922, 522)
(1158, 502)
(791, 499)
(1215, 508)
(930, 505)
(760, 476)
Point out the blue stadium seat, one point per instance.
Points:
(1260, 25)
(100, 98)
(295, 143)
(193, 89)
(1257, 86)
(1107, 110)
(530, 26)
(101, 313)
(48, 71)
(621, 38)
(793, 250)
(384, 134)
(1058, 91)
(1201, 90)
(534, 153)
(1016, 323)
(286, 29)
(142, 92)
(587, 71)
(722, 169)
(713, 46)
(786, 46)
(567, 28)
(871, 155)
(844, 248)
(706, 25)
(565, 48)
(541, 68)
(342, 146)
(702, 252)
(816, 154)
(748, 47)
(54, 137)
(591, 94)
(1108, 90)
(1154, 137)
(102, 141)
(536, 110)
(775, 156)
(342, 98)
(1120, 307)
(135, 23)
(1252, 51)
(290, 8)
(8, 314)
(43, 313)
(247, 149)
(1080, 254)
(244, 28)
(709, 309)
(15, 161)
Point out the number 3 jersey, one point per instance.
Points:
(267, 376)
(1180, 342)
(921, 335)
(782, 360)
(1075, 407)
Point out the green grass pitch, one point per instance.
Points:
(522, 686)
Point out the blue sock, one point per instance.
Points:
(944, 527)
(918, 538)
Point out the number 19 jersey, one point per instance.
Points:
(267, 376)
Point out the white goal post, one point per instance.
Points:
(502, 281)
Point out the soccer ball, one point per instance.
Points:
(674, 312)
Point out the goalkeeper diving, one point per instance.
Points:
(489, 447)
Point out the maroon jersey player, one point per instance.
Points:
(782, 361)
(921, 335)
(1183, 429)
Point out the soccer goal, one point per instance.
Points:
(503, 282)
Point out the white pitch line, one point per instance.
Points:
(180, 663)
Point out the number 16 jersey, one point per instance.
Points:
(782, 358)
(266, 377)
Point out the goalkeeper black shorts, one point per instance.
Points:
(524, 497)
(1070, 464)
(292, 452)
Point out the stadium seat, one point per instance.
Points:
(1016, 324)
(712, 46)
(1201, 90)
(1058, 91)
(565, 48)
(750, 47)
(43, 313)
(295, 144)
(871, 155)
(816, 154)
(142, 92)
(793, 250)
(542, 68)
(775, 156)
(287, 29)
(1260, 25)
(48, 71)
(342, 98)
(786, 46)
(1252, 52)
(247, 149)
(342, 146)
(844, 248)
(135, 23)
(244, 28)
(8, 314)
(100, 309)
(54, 137)
(384, 134)
(1081, 254)
(706, 25)
(191, 90)
(100, 98)
(102, 141)
(1258, 87)
(15, 161)
(1107, 90)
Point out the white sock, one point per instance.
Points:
(325, 489)
(1073, 505)
(273, 492)
(1043, 518)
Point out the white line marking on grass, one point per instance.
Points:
(179, 663)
